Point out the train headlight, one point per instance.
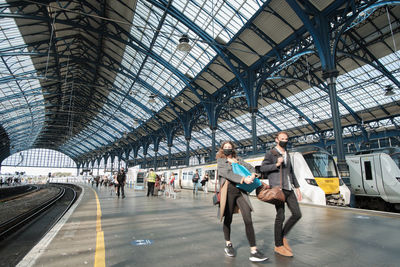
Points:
(398, 179)
(311, 182)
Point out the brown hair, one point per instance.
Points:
(281, 132)
(220, 153)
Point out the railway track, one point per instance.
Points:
(10, 193)
(24, 230)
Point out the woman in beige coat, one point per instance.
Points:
(234, 199)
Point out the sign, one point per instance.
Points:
(142, 242)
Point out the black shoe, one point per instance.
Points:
(229, 250)
(123, 196)
(257, 256)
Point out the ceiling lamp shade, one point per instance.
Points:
(389, 91)
(300, 119)
(152, 99)
(184, 45)
(135, 123)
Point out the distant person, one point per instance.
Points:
(195, 180)
(233, 198)
(172, 180)
(204, 183)
(151, 180)
(121, 179)
(277, 160)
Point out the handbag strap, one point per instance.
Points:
(216, 181)
(281, 174)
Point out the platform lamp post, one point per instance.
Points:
(187, 151)
(155, 159)
(330, 77)
(169, 156)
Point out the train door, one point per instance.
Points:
(369, 175)
(211, 180)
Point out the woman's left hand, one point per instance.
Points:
(232, 160)
(248, 180)
(299, 196)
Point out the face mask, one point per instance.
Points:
(283, 143)
(228, 152)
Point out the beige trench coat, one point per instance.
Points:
(225, 174)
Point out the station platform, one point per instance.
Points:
(160, 231)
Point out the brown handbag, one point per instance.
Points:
(273, 195)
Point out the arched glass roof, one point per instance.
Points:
(90, 77)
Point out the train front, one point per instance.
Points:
(326, 176)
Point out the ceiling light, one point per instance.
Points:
(135, 123)
(300, 119)
(184, 45)
(152, 99)
(389, 91)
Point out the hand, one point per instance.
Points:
(298, 193)
(279, 162)
(232, 160)
(248, 180)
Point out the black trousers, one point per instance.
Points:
(150, 188)
(120, 187)
(280, 230)
(234, 197)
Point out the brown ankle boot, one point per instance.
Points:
(283, 251)
(286, 244)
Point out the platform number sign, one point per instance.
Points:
(142, 242)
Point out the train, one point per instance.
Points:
(375, 179)
(315, 170)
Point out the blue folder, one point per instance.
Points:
(244, 172)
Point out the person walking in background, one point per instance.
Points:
(195, 180)
(121, 179)
(204, 183)
(172, 180)
(151, 180)
(233, 198)
(277, 160)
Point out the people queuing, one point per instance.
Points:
(232, 199)
(276, 165)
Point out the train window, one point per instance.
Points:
(368, 170)
(184, 175)
(321, 164)
(211, 174)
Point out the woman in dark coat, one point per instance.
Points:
(233, 198)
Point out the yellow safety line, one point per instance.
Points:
(100, 254)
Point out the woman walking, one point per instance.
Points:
(232, 199)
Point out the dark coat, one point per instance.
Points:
(226, 175)
(268, 166)
(121, 177)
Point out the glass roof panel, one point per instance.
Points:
(22, 116)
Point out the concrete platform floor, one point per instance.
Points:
(159, 231)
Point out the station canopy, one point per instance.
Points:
(88, 78)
